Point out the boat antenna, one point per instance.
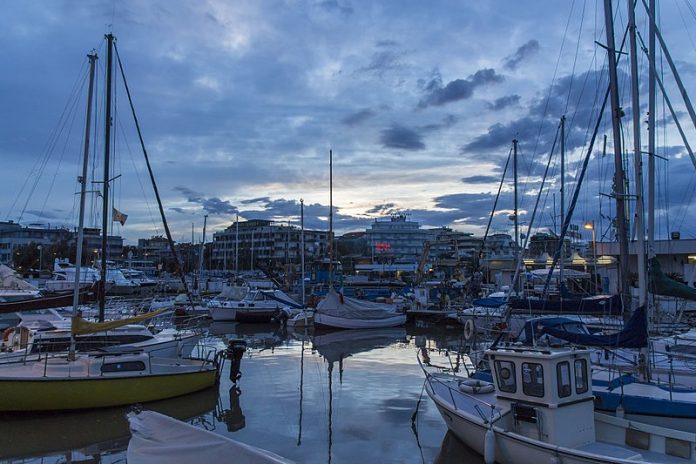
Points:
(154, 184)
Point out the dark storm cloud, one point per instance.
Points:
(448, 121)
(385, 209)
(211, 205)
(480, 179)
(383, 61)
(401, 137)
(577, 96)
(504, 102)
(530, 48)
(358, 117)
(459, 89)
(499, 136)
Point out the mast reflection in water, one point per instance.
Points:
(288, 400)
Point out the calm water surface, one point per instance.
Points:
(339, 397)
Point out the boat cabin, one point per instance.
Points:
(548, 392)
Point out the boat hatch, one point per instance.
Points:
(126, 366)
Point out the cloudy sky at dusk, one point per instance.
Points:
(239, 103)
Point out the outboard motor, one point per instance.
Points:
(234, 352)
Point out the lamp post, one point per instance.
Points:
(591, 226)
(40, 248)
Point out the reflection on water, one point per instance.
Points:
(331, 397)
(89, 433)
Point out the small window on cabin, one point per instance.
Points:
(533, 379)
(127, 366)
(580, 376)
(563, 374)
(506, 376)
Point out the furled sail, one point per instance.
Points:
(83, 327)
(633, 335)
(663, 285)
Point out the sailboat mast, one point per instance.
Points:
(302, 252)
(516, 219)
(105, 191)
(83, 183)
(202, 255)
(331, 218)
(638, 160)
(562, 260)
(651, 129)
(619, 189)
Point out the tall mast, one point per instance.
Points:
(562, 260)
(236, 249)
(202, 256)
(107, 156)
(302, 250)
(516, 219)
(619, 189)
(331, 218)
(637, 159)
(83, 183)
(83, 191)
(651, 130)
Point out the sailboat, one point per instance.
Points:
(71, 380)
(338, 311)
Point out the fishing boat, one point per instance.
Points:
(540, 408)
(157, 438)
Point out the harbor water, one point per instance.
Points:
(352, 396)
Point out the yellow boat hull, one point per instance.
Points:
(46, 394)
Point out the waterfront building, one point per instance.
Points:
(257, 242)
(14, 236)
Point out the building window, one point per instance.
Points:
(533, 379)
(580, 376)
(563, 374)
(506, 376)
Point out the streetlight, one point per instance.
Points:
(40, 248)
(591, 226)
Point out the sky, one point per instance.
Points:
(240, 102)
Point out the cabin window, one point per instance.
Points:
(533, 379)
(506, 376)
(580, 376)
(127, 366)
(563, 374)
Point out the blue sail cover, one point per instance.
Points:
(633, 335)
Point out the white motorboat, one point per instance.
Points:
(338, 311)
(540, 408)
(49, 332)
(256, 306)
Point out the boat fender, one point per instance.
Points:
(554, 460)
(6, 333)
(468, 329)
(475, 386)
(489, 447)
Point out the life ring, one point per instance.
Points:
(6, 333)
(475, 386)
(468, 329)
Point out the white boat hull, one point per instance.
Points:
(350, 323)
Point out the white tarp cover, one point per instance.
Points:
(160, 439)
(338, 305)
(9, 280)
